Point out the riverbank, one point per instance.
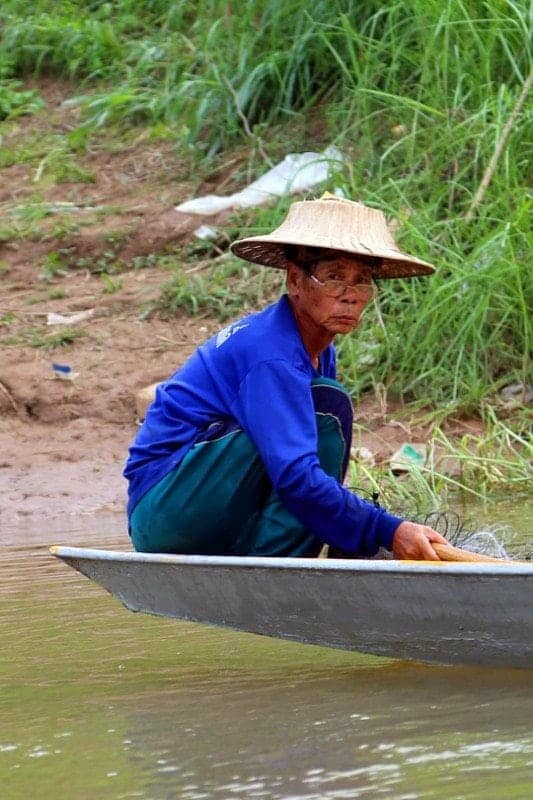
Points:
(83, 265)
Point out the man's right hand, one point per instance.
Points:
(412, 541)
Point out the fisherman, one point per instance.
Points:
(245, 448)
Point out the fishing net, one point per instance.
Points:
(494, 541)
(488, 542)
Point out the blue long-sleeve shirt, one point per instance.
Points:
(258, 373)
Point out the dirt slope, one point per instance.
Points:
(63, 442)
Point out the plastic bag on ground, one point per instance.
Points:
(298, 172)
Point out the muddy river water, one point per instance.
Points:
(97, 703)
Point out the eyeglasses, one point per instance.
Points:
(363, 292)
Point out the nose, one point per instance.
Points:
(352, 295)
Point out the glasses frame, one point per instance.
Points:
(364, 292)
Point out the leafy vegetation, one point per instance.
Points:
(419, 97)
(456, 336)
(15, 102)
(51, 156)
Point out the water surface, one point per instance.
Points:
(98, 703)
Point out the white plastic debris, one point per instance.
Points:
(363, 454)
(206, 233)
(516, 395)
(298, 172)
(68, 319)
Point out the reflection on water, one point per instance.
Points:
(98, 703)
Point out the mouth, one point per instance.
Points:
(347, 320)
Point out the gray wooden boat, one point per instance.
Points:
(453, 613)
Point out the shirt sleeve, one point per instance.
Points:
(275, 408)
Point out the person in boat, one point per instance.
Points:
(245, 447)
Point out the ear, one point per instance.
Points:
(294, 280)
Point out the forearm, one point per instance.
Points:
(335, 514)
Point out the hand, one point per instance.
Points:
(412, 541)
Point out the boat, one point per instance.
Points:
(432, 612)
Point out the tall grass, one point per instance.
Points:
(454, 337)
(204, 63)
(416, 95)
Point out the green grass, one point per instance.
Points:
(222, 289)
(200, 68)
(471, 468)
(50, 157)
(111, 286)
(415, 95)
(34, 337)
(454, 337)
(15, 101)
(53, 266)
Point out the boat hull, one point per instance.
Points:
(444, 614)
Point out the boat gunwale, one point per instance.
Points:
(316, 565)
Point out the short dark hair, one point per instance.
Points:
(306, 257)
(303, 256)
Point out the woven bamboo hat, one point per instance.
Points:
(333, 223)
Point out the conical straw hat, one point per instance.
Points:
(335, 224)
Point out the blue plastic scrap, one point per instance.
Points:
(63, 371)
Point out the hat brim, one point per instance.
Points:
(269, 251)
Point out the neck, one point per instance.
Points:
(315, 339)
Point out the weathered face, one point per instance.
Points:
(314, 304)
